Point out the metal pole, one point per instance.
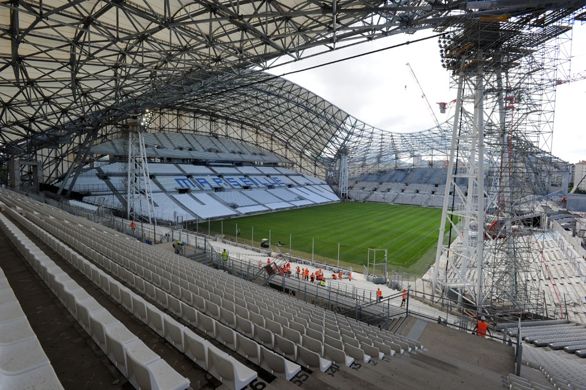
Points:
(290, 240)
(519, 355)
(209, 230)
(269, 239)
(236, 228)
(222, 227)
(252, 236)
(338, 255)
(312, 247)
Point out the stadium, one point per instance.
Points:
(173, 215)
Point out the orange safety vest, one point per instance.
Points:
(379, 293)
(481, 328)
(404, 294)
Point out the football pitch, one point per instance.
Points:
(409, 233)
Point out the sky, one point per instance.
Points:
(380, 90)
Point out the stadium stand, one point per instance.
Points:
(412, 186)
(243, 316)
(556, 273)
(142, 367)
(23, 363)
(206, 189)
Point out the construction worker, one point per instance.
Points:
(379, 295)
(334, 276)
(225, 255)
(312, 277)
(322, 283)
(298, 271)
(403, 296)
(306, 273)
(481, 327)
(350, 276)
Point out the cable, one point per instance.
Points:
(406, 43)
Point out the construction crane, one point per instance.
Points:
(423, 94)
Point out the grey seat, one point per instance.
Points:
(230, 372)
(226, 336)
(244, 326)
(285, 347)
(337, 355)
(196, 348)
(248, 348)
(264, 336)
(311, 359)
(277, 365)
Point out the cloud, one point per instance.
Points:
(379, 90)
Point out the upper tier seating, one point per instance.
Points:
(211, 187)
(413, 186)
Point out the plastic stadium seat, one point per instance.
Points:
(264, 336)
(312, 344)
(84, 308)
(189, 314)
(161, 297)
(227, 317)
(292, 335)
(285, 347)
(174, 333)
(155, 320)
(277, 365)
(248, 348)
(206, 324)
(356, 353)
(337, 355)
(146, 370)
(333, 342)
(312, 359)
(233, 374)
(226, 336)
(100, 320)
(174, 305)
(126, 299)
(139, 306)
(244, 326)
(273, 326)
(119, 338)
(196, 348)
(213, 310)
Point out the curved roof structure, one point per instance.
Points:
(72, 71)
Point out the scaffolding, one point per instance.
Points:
(139, 200)
(505, 70)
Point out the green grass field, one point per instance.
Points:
(408, 232)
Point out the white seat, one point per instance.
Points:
(337, 355)
(244, 326)
(206, 324)
(155, 319)
(230, 372)
(263, 335)
(119, 338)
(248, 348)
(139, 306)
(100, 320)
(174, 305)
(278, 365)
(356, 353)
(226, 335)
(285, 347)
(174, 333)
(146, 370)
(312, 359)
(189, 314)
(196, 348)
